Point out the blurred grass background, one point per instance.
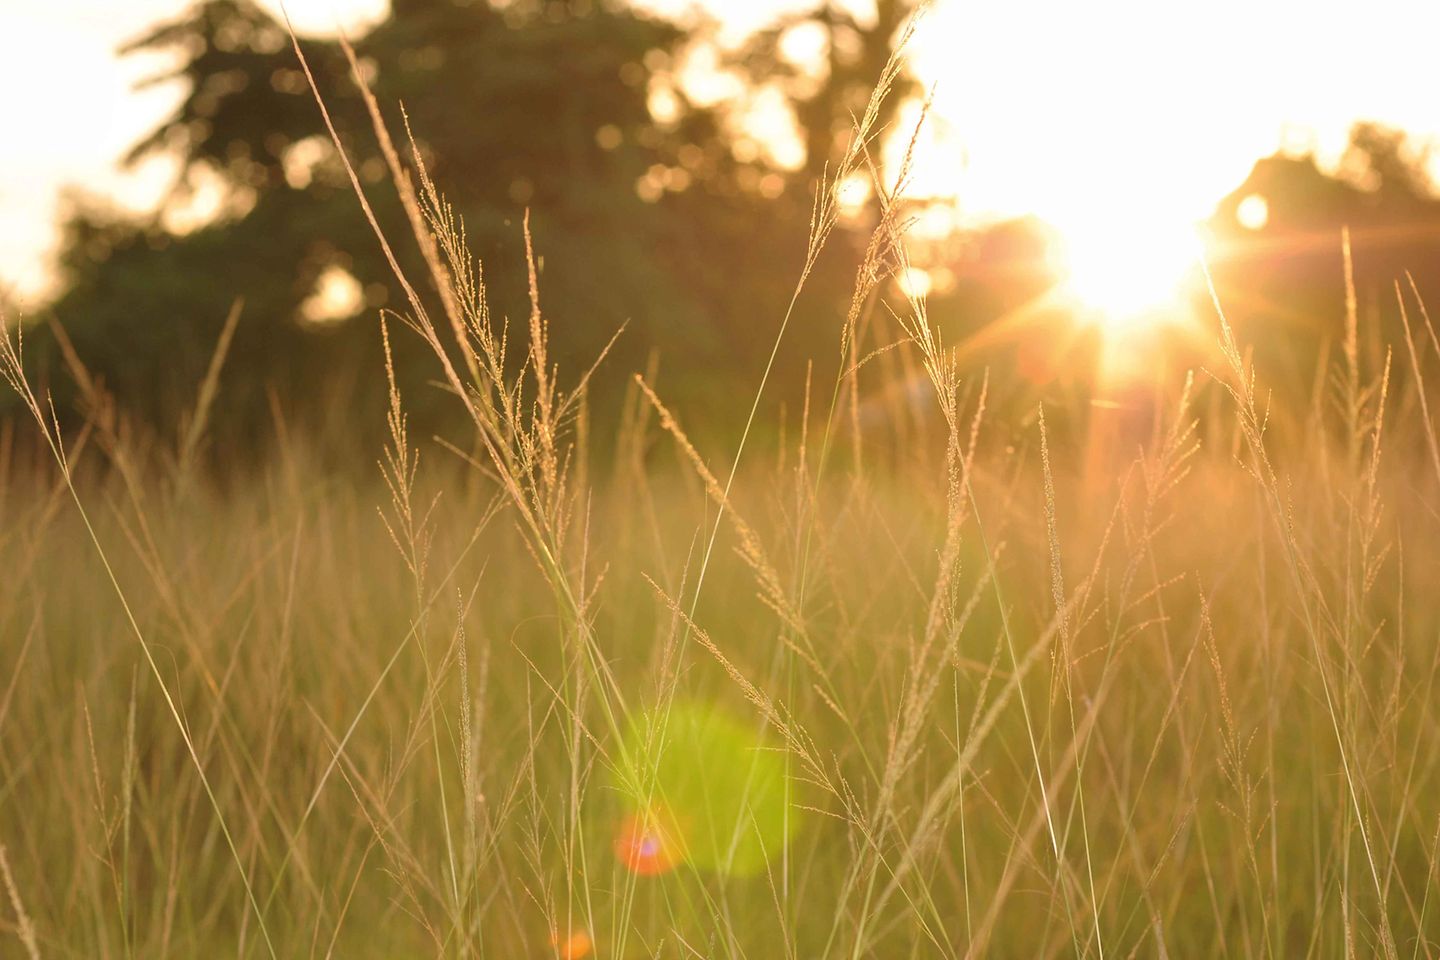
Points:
(355, 639)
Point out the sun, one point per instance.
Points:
(1128, 272)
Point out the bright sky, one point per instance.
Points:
(1142, 112)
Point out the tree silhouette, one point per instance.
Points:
(537, 106)
(1278, 261)
(827, 95)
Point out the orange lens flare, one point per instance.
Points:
(644, 848)
(574, 946)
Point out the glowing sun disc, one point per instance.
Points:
(1123, 274)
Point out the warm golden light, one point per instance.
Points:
(1125, 272)
(337, 296)
(1253, 212)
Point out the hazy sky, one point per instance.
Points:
(1142, 112)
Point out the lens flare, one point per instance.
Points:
(572, 946)
(645, 848)
(707, 790)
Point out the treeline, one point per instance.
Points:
(649, 212)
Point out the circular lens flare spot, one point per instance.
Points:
(572, 946)
(645, 848)
(1253, 212)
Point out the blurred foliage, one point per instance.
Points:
(832, 85)
(641, 217)
(1281, 277)
(648, 211)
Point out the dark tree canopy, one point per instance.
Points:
(1282, 274)
(826, 96)
(522, 106)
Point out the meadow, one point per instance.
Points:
(965, 683)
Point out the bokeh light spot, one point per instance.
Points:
(646, 848)
(337, 296)
(1253, 212)
(572, 946)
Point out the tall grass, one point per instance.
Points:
(1181, 709)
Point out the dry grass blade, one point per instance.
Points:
(1428, 424)
(200, 416)
(24, 929)
(12, 368)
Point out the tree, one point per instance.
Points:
(1279, 266)
(826, 96)
(531, 105)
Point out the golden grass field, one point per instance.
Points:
(987, 692)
